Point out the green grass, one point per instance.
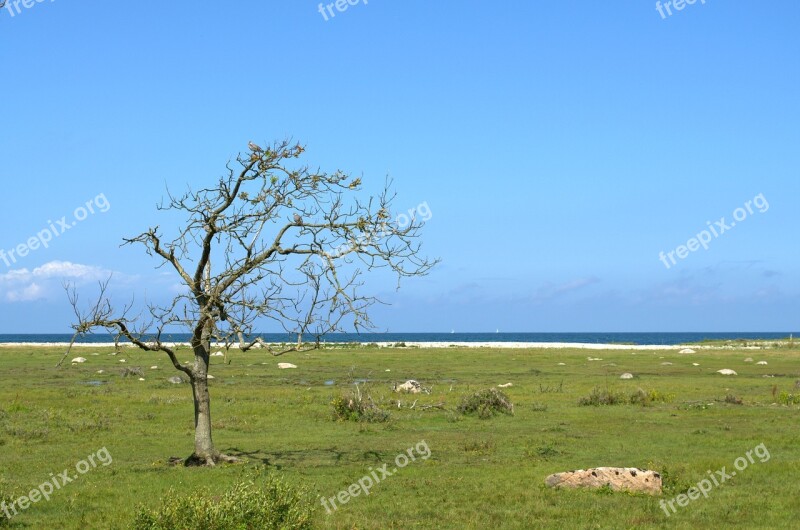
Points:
(482, 473)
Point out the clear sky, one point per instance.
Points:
(561, 147)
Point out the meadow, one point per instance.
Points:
(481, 473)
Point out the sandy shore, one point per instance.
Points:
(495, 345)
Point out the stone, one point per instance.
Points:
(141, 379)
(209, 376)
(79, 360)
(154, 367)
(687, 350)
(175, 380)
(410, 386)
(123, 361)
(726, 371)
(101, 371)
(748, 360)
(218, 354)
(762, 363)
(666, 363)
(626, 375)
(617, 478)
(284, 366)
(695, 364)
(506, 385)
(562, 364)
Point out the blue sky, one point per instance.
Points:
(561, 146)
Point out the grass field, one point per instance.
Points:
(482, 473)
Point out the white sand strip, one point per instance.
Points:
(496, 345)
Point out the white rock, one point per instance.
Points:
(617, 478)
(79, 360)
(154, 367)
(594, 359)
(748, 360)
(726, 371)
(101, 371)
(218, 354)
(284, 366)
(95, 354)
(695, 364)
(666, 363)
(687, 350)
(209, 376)
(123, 361)
(410, 386)
(388, 370)
(141, 379)
(762, 363)
(505, 385)
(562, 364)
(626, 376)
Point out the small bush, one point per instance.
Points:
(786, 398)
(132, 372)
(542, 452)
(266, 503)
(675, 479)
(357, 407)
(643, 398)
(733, 400)
(486, 403)
(602, 396)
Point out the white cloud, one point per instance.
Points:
(23, 285)
(28, 293)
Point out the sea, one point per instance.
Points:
(655, 338)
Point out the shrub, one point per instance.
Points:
(486, 403)
(640, 397)
(675, 479)
(602, 396)
(357, 407)
(785, 398)
(543, 452)
(132, 372)
(266, 503)
(733, 400)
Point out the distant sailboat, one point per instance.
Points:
(498, 330)
(452, 331)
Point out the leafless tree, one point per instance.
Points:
(287, 243)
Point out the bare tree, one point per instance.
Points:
(288, 244)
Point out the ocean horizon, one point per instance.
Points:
(637, 338)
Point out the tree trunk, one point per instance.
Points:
(205, 454)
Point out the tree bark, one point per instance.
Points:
(205, 454)
(204, 451)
